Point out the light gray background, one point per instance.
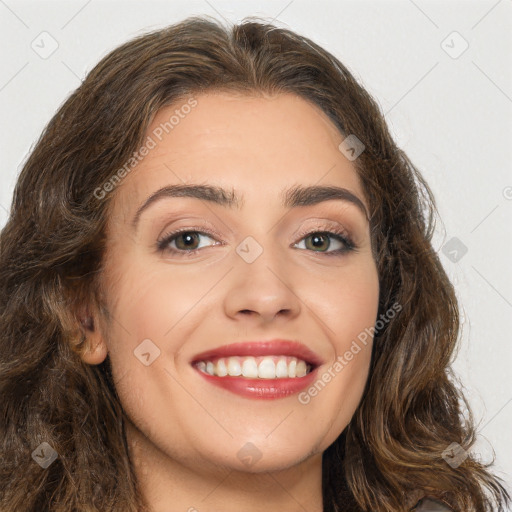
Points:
(451, 113)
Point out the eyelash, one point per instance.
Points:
(349, 246)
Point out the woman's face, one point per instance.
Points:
(262, 270)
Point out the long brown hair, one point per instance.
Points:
(51, 265)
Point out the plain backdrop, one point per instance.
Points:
(441, 72)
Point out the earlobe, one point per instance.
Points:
(95, 349)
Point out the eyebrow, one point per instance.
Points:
(293, 197)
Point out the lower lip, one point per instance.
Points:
(262, 388)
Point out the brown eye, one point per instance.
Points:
(189, 239)
(185, 241)
(320, 242)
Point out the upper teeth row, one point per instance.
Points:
(268, 367)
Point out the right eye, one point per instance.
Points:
(185, 241)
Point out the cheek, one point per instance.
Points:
(348, 312)
(142, 309)
(149, 301)
(349, 304)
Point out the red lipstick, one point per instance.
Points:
(261, 388)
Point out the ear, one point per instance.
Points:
(95, 350)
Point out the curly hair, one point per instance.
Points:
(51, 260)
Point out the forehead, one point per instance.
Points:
(257, 146)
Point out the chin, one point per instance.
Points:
(258, 454)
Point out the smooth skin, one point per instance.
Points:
(184, 434)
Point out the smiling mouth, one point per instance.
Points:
(270, 369)
(260, 367)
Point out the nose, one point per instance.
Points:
(264, 289)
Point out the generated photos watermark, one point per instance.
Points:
(149, 144)
(343, 360)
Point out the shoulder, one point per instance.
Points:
(431, 505)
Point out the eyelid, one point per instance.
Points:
(323, 225)
(319, 224)
(207, 230)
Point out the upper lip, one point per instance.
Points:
(275, 347)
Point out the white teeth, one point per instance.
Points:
(250, 368)
(301, 369)
(268, 367)
(281, 368)
(292, 368)
(234, 368)
(221, 369)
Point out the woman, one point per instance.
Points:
(260, 369)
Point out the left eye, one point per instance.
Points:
(318, 238)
